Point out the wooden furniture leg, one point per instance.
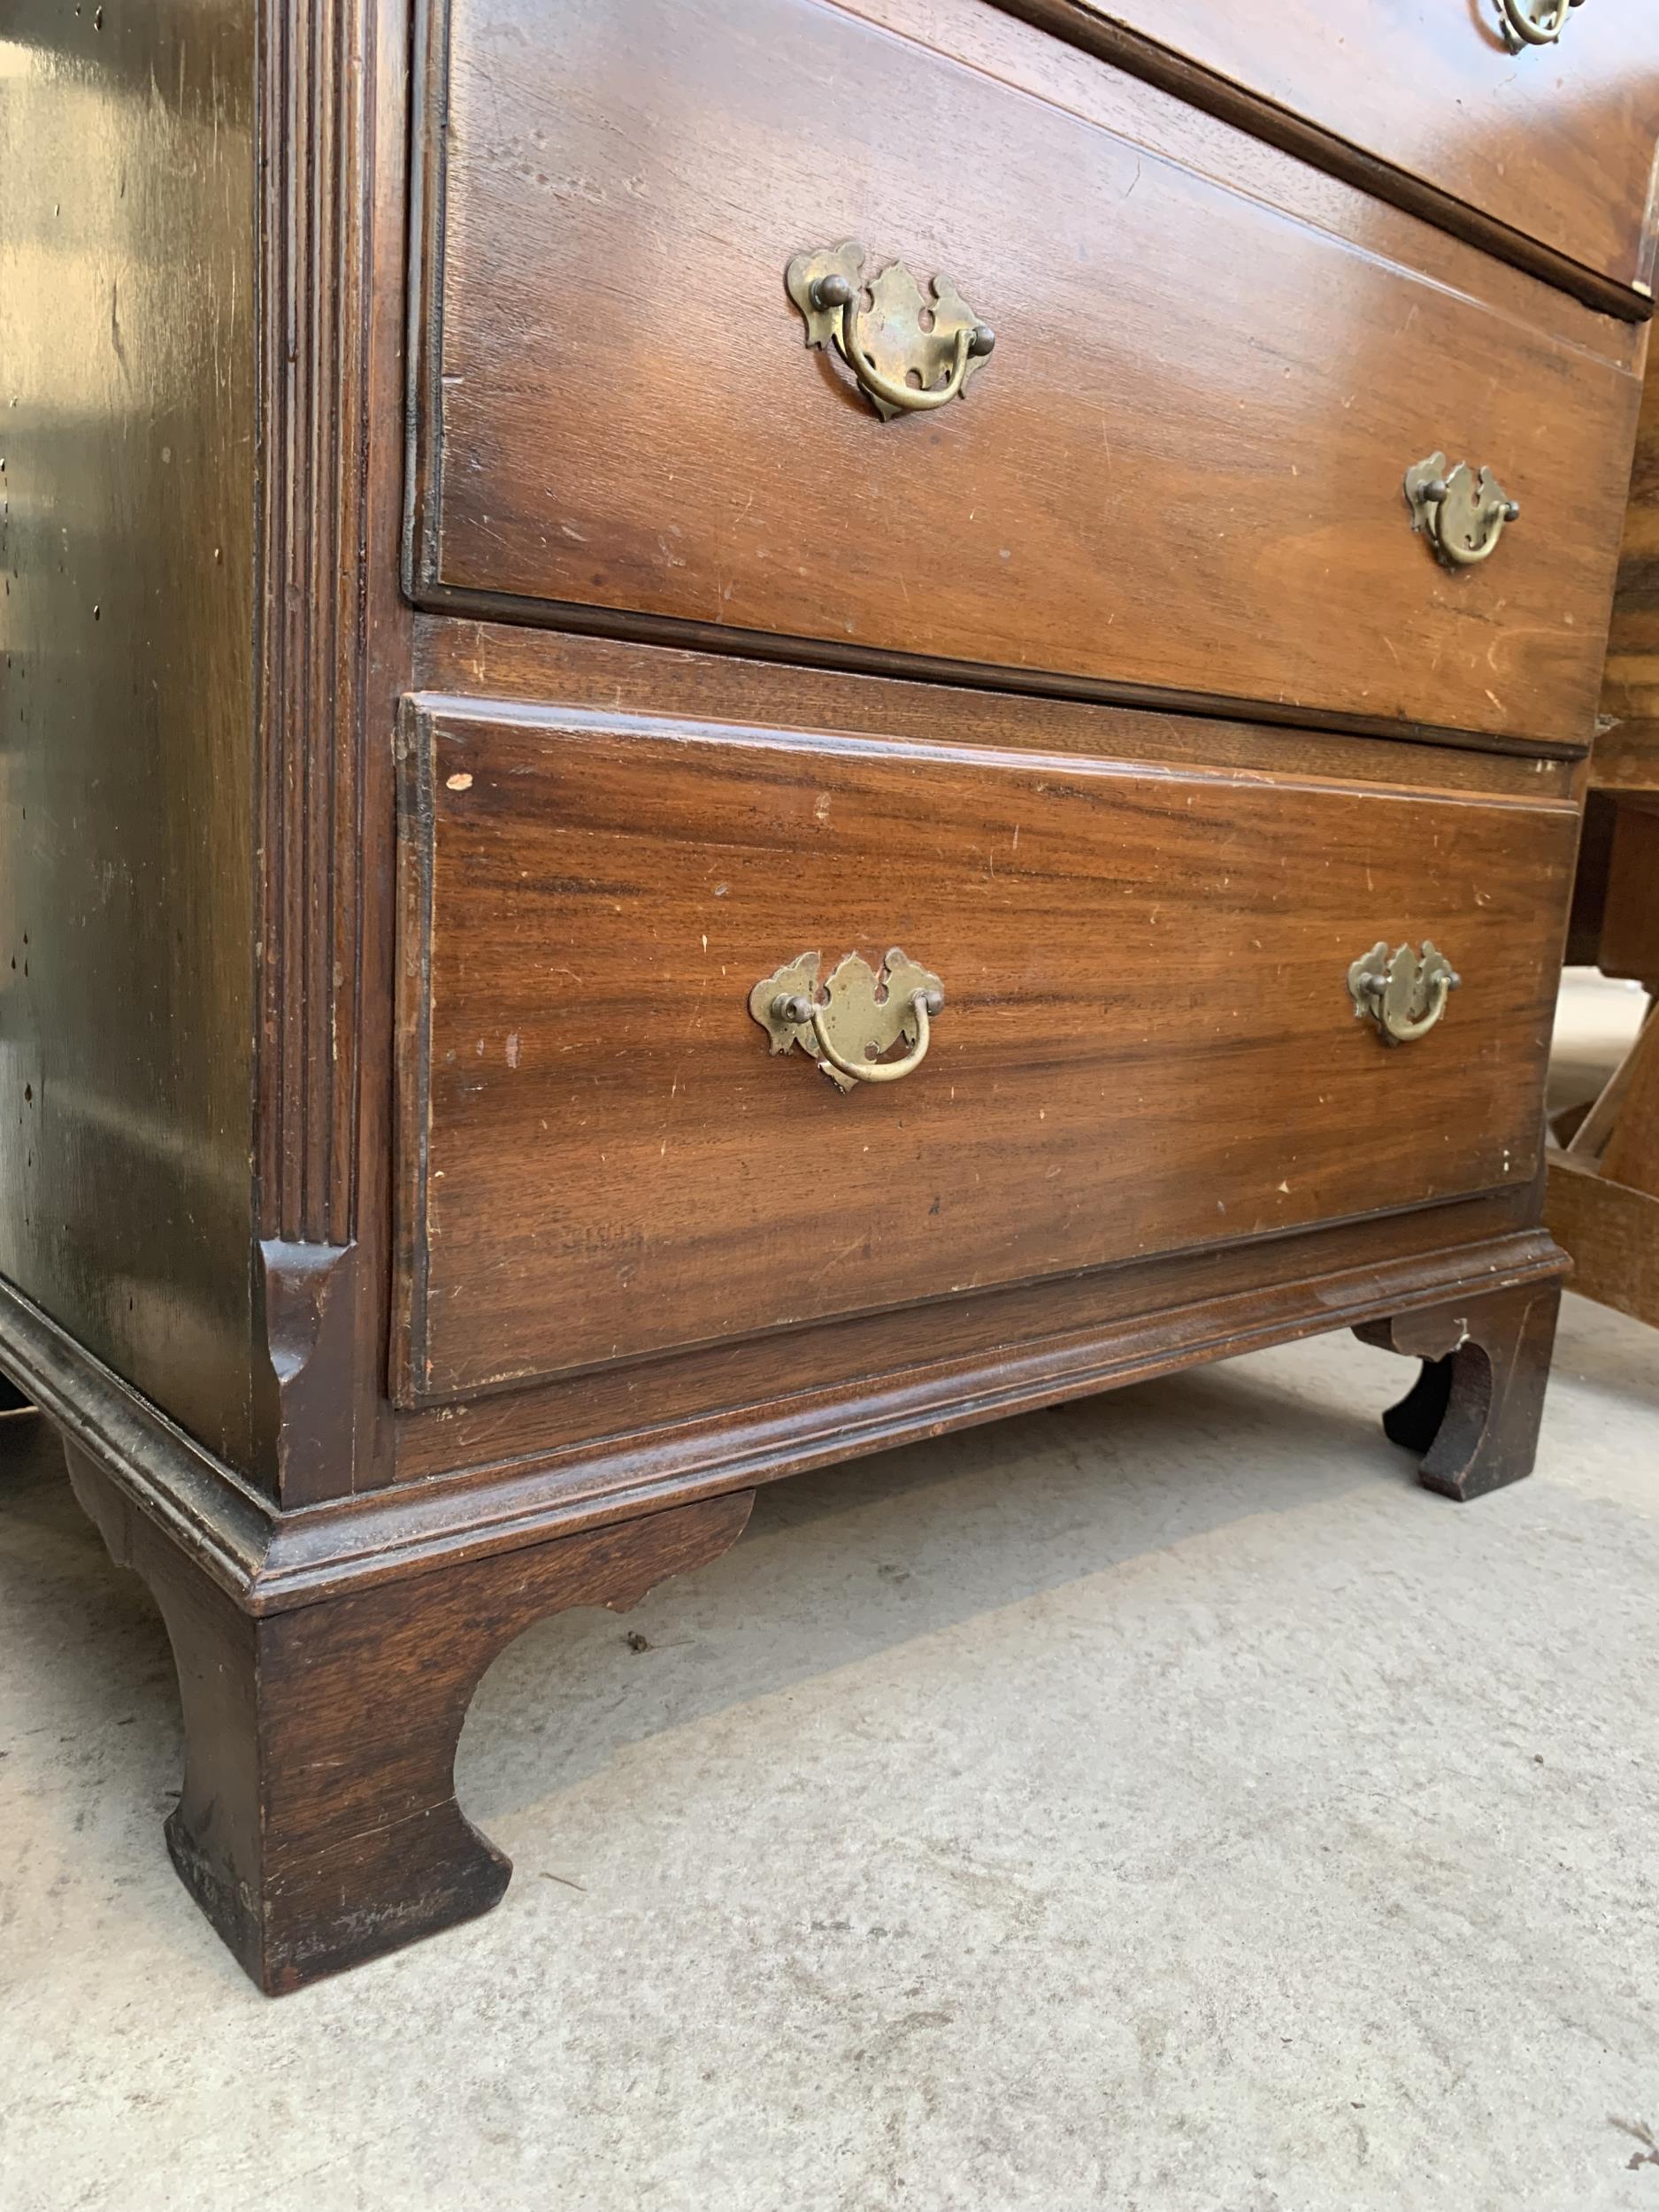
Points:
(318, 1826)
(1473, 1412)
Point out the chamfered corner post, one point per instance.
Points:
(1473, 1413)
(318, 1826)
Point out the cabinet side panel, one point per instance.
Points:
(127, 427)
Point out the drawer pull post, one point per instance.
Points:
(1533, 22)
(1463, 515)
(856, 1018)
(892, 342)
(1405, 995)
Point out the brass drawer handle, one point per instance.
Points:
(1404, 996)
(1463, 514)
(892, 343)
(856, 1019)
(1534, 22)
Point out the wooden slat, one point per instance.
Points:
(1612, 1233)
(1631, 1153)
(1590, 1137)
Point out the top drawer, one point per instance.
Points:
(1178, 478)
(1554, 141)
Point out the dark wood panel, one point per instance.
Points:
(127, 523)
(1148, 1045)
(1180, 471)
(1629, 942)
(1555, 142)
(1627, 756)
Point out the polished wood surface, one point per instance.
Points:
(1556, 142)
(601, 1158)
(1179, 473)
(126, 519)
(1200, 122)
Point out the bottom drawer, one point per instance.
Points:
(1149, 1039)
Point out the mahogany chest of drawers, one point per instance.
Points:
(739, 728)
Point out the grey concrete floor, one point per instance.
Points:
(1159, 1804)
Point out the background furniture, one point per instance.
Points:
(1603, 1203)
(740, 728)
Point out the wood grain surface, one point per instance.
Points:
(1556, 142)
(503, 660)
(1149, 1043)
(1179, 473)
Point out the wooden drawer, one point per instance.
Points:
(1148, 1044)
(1555, 142)
(1178, 477)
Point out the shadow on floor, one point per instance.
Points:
(847, 1563)
(1609, 1352)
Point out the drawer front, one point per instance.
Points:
(1555, 142)
(1178, 475)
(1148, 1041)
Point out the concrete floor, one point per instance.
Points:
(1159, 1804)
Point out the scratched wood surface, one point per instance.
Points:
(1179, 473)
(1148, 1044)
(1556, 142)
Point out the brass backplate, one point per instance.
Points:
(1404, 993)
(1465, 522)
(895, 339)
(866, 1012)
